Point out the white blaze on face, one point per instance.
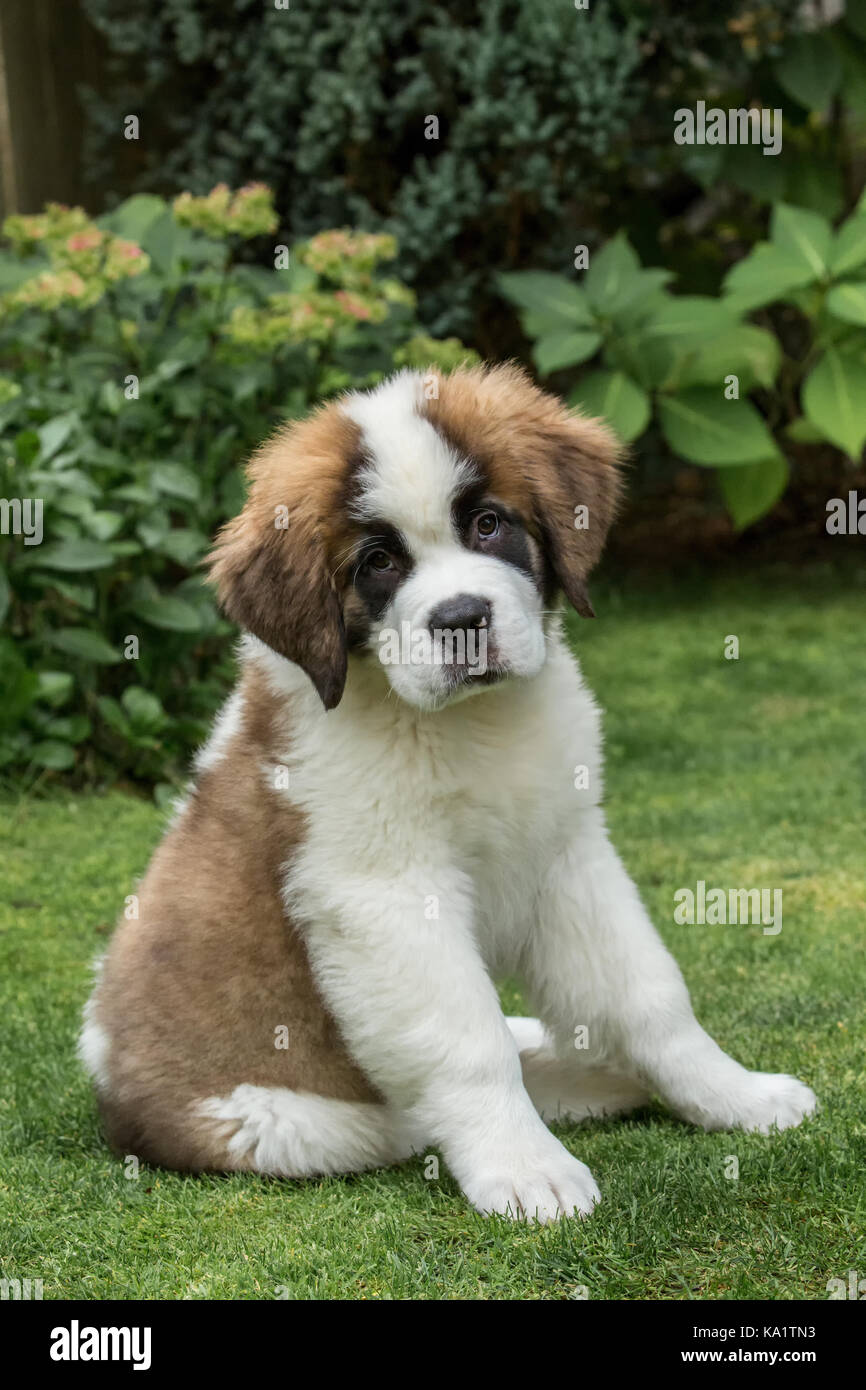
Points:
(411, 482)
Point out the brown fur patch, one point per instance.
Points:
(192, 991)
(276, 565)
(539, 459)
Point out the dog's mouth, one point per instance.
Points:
(459, 676)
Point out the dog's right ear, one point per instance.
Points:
(271, 564)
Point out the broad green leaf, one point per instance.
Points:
(766, 274)
(143, 708)
(750, 491)
(640, 299)
(703, 427)
(72, 555)
(54, 433)
(613, 272)
(172, 614)
(55, 687)
(618, 399)
(688, 318)
(175, 480)
(84, 643)
(103, 525)
(559, 350)
(540, 292)
(834, 399)
(849, 246)
(18, 686)
(135, 216)
(848, 302)
(113, 715)
(71, 728)
(53, 754)
(802, 431)
(751, 354)
(809, 69)
(183, 545)
(804, 235)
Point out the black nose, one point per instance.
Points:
(464, 612)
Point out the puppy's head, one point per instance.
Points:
(428, 525)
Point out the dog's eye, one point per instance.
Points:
(487, 524)
(379, 560)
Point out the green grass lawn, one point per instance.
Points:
(748, 772)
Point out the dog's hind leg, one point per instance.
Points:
(291, 1134)
(561, 1088)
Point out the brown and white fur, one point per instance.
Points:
(367, 846)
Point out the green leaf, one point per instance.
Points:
(54, 433)
(613, 273)
(73, 555)
(103, 525)
(172, 614)
(53, 754)
(113, 715)
(72, 728)
(559, 350)
(849, 246)
(618, 399)
(804, 235)
(5, 594)
(848, 302)
(55, 687)
(764, 275)
(135, 216)
(175, 480)
(688, 318)
(183, 545)
(703, 427)
(809, 69)
(802, 431)
(751, 354)
(84, 643)
(552, 296)
(145, 712)
(750, 491)
(834, 399)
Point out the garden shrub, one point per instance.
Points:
(691, 361)
(555, 124)
(139, 364)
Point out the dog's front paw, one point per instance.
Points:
(533, 1186)
(761, 1101)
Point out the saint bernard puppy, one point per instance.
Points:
(386, 819)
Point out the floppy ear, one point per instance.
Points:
(275, 584)
(271, 564)
(576, 487)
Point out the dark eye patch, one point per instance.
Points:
(375, 585)
(509, 541)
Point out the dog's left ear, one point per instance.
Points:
(576, 485)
